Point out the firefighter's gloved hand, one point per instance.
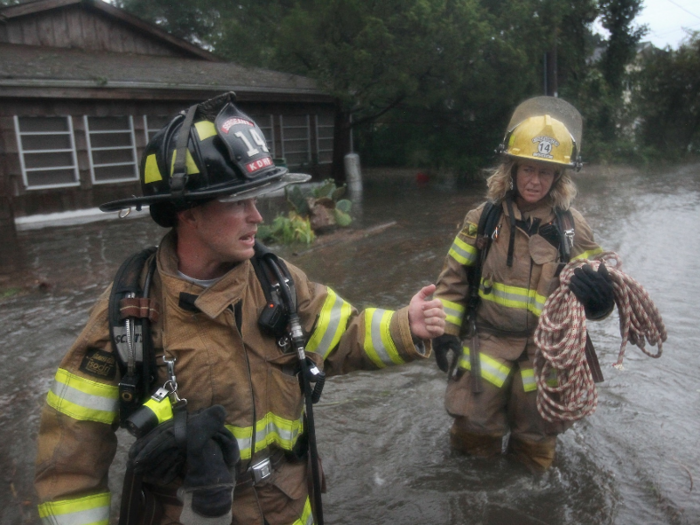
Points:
(212, 455)
(442, 346)
(157, 455)
(594, 290)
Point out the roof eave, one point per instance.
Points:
(125, 17)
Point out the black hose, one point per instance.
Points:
(299, 344)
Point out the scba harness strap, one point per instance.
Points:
(130, 315)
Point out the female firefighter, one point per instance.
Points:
(512, 248)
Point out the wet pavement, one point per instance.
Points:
(383, 435)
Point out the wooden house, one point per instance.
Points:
(83, 85)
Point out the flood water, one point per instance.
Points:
(383, 435)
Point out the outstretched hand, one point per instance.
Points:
(426, 316)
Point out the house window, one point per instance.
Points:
(324, 137)
(46, 152)
(153, 124)
(111, 149)
(296, 139)
(264, 122)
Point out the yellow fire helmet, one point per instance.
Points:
(545, 129)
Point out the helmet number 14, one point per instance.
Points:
(256, 138)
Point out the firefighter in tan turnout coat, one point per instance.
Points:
(531, 231)
(245, 408)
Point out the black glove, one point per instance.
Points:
(212, 454)
(594, 290)
(158, 455)
(442, 346)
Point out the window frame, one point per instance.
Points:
(319, 150)
(307, 139)
(90, 149)
(21, 154)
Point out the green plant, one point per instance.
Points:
(323, 205)
(287, 230)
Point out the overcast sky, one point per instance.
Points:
(666, 18)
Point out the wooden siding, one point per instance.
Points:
(76, 27)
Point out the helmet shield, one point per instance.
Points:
(225, 153)
(554, 107)
(547, 129)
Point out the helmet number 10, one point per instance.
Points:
(256, 138)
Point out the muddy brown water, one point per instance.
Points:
(384, 435)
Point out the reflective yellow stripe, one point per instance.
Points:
(332, 323)
(492, 370)
(306, 517)
(205, 129)
(454, 312)
(588, 254)
(163, 409)
(379, 346)
(82, 398)
(90, 510)
(270, 430)
(151, 172)
(513, 296)
(462, 252)
(529, 383)
(189, 163)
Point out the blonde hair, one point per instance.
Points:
(561, 194)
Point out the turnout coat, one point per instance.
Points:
(222, 358)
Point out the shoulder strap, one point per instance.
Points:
(269, 269)
(129, 330)
(488, 221)
(565, 225)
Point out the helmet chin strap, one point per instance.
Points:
(179, 179)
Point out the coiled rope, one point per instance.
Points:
(561, 340)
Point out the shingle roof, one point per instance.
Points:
(53, 67)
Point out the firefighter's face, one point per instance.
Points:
(533, 180)
(226, 230)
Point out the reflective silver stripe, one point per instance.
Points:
(378, 344)
(91, 510)
(462, 252)
(271, 429)
(493, 371)
(83, 399)
(528, 377)
(512, 296)
(331, 324)
(453, 311)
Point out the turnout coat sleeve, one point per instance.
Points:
(452, 287)
(76, 442)
(348, 340)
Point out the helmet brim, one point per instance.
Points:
(241, 192)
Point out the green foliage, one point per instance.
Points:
(428, 83)
(666, 97)
(288, 229)
(314, 209)
(322, 204)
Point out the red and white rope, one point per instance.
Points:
(561, 340)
